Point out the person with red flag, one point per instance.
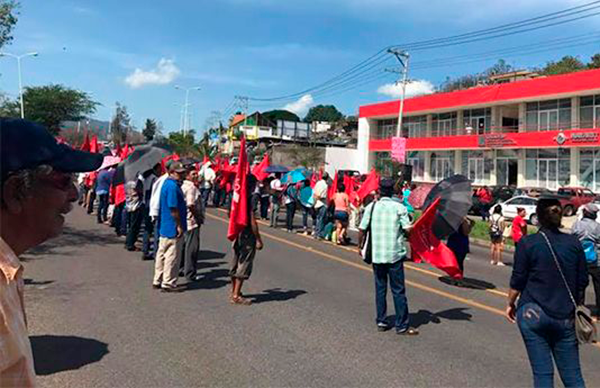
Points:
(387, 222)
(243, 229)
(369, 185)
(86, 143)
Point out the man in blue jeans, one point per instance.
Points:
(320, 207)
(388, 221)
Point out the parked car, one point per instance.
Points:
(533, 192)
(572, 198)
(502, 193)
(509, 208)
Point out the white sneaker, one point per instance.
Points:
(492, 262)
(501, 264)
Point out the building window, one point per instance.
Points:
(589, 168)
(589, 112)
(386, 128)
(548, 115)
(479, 120)
(442, 165)
(417, 160)
(548, 168)
(477, 166)
(383, 163)
(444, 124)
(415, 126)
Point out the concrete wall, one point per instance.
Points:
(342, 159)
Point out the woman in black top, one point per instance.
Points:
(545, 311)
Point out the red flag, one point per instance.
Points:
(118, 150)
(259, 170)
(333, 188)
(86, 143)
(425, 246)
(94, 145)
(369, 185)
(206, 159)
(239, 216)
(124, 152)
(313, 180)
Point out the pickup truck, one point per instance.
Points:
(571, 198)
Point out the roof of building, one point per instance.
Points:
(531, 89)
(237, 119)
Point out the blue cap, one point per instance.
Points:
(24, 144)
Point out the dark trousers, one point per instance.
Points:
(594, 271)
(102, 208)
(264, 207)
(395, 274)
(217, 197)
(135, 223)
(275, 211)
(548, 339)
(117, 220)
(290, 212)
(205, 194)
(149, 235)
(306, 212)
(91, 203)
(321, 216)
(254, 201)
(189, 253)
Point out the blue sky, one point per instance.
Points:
(135, 51)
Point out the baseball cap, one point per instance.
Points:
(176, 166)
(25, 144)
(591, 208)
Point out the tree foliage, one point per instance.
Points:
(184, 143)
(50, 105)
(8, 20)
(594, 62)
(568, 64)
(280, 114)
(120, 124)
(149, 130)
(323, 113)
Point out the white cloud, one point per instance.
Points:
(301, 106)
(413, 88)
(164, 73)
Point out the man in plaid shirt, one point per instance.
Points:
(389, 223)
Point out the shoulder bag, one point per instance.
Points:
(585, 329)
(367, 246)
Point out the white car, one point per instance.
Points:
(509, 208)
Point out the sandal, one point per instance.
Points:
(241, 301)
(410, 331)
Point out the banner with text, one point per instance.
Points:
(399, 149)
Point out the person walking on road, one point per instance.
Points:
(150, 237)
(195, 219)
(497, 226)
(545, 264)
(208, 180)
(388, 221)
(37, 190)
(290, 200)
(519, 226)
(587, 230)
(341, 214)
(171, 228)
(134, 192)
(244, 251)
(320, 199)
(276, 191)
(102, 192)
(458, 242)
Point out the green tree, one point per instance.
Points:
(595, 62)
(184, 143)
(51, 105)
(323, 113)
(120, 124)
(501, 67)
(8, 20)
(568, 64)
(280, 114)
(149, 130)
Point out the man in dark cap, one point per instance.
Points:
(37, 190)
(388, 222)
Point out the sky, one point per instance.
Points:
(136, 52)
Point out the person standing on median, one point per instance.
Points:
(519, 227)
(389, 222)
(320, 199)
(171, 228)
(37, 190)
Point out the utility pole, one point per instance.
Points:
(186, 120)
(18, 58)
(243, 104)
(404, 58)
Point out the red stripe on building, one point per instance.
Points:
(534, 88)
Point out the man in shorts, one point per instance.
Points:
(244, 251)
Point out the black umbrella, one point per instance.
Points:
(143, 159)
(455, 201)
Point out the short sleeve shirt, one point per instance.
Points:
(191, 195)
(517, 228)
(388, 218)
(171, 197)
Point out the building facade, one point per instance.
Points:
(541, 132)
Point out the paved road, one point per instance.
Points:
(96, 321)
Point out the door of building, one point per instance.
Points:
(507, 171)
(475, 171)
(548, 173)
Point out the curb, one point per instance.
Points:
(486, 244)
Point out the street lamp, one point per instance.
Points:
(186, 122)
(18, 58)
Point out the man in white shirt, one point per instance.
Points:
(195, 218)
(320, 195)
(276, 191)
(208, 180)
